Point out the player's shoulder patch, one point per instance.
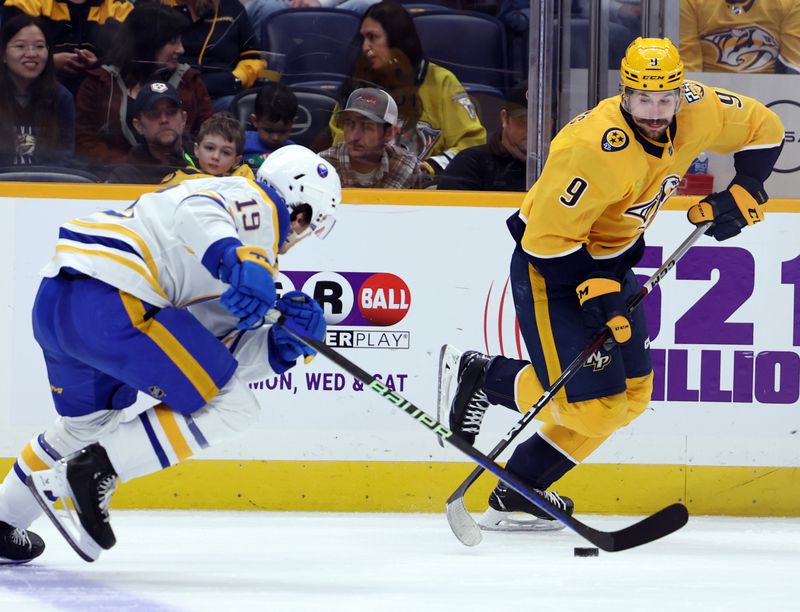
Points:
(614, 139)
(693, 91)
(464, 100)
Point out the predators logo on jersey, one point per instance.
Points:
(693, 91)
(614, 140)
(747, 49)
(647, 211)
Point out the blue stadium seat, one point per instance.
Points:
(316, 42)
(480, 58)
(45, 174)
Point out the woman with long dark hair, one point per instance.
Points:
(437, 116)
(148, 49)
(37, 114)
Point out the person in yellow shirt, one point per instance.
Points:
(436, 116)
(578, 233)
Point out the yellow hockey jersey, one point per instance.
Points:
(604, 181)
(740, 36)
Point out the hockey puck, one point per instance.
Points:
(591, 551)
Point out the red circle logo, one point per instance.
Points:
(384, 299)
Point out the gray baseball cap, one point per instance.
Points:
(375, 104)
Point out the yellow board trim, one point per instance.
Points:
(379, 197)
(407, 486)
(176, 439)
(32, 460)
(182, 358)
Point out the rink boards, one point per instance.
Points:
(405, 272)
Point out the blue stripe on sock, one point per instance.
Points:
(47, 448)
(198, 435)
(20, 474)
(151, 435)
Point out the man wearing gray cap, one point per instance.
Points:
(368, 157)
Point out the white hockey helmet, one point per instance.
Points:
(301, 176)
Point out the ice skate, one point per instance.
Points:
(448, 368)
(75, 495)
(510, 511)
(470, 402)
(18, 546)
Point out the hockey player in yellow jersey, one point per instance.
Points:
(760, 36)
(578, 233)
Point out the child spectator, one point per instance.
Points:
(272, 117)
(37, 114)
(217, 151)
(148, 49)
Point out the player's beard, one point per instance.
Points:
(654, 129)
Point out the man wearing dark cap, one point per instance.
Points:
(368, 157)
(498, 165)
(160, 121)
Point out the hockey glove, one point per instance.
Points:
(303, 316)
(739, 205)
(252, 291)
(602, 303)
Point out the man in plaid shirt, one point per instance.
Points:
(368, 156)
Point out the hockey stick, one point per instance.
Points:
(658, 525)
(461, 522)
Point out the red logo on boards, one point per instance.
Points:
(384, 299)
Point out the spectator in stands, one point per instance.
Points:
(740, 36)
(217, 151)
(147, 50)
(37, 114)
(437, 117)
(272, 117)
(259, 10)
(367, 156)
(221, 44)
(80, 31)
(160, 121)
(500, 164)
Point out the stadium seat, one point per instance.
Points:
(488, 105)
(481, 59)
(314, 109)
(316, 42)
(45, 174)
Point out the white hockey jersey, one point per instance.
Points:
(154, 248)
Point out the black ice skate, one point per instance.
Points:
(470, 402)
(84, 480)
(510, 511)
(18, 546)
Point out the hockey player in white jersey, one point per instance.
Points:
(168, 298)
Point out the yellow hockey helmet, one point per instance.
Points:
(652, 64)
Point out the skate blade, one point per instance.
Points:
(449, 357)
(51, 483)
(496, 520)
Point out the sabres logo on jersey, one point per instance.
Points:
(647, 210)
(614, 140)
(748, 49)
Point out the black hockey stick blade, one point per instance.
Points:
(651, 528)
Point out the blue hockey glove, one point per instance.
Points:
(252, 291)
(740, 205)
(601, 298)
(303, 316)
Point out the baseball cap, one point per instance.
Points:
(517, 100)
(153, 92)
(375, 104)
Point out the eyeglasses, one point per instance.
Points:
(22, 48)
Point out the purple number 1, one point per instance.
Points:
(790, 275)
